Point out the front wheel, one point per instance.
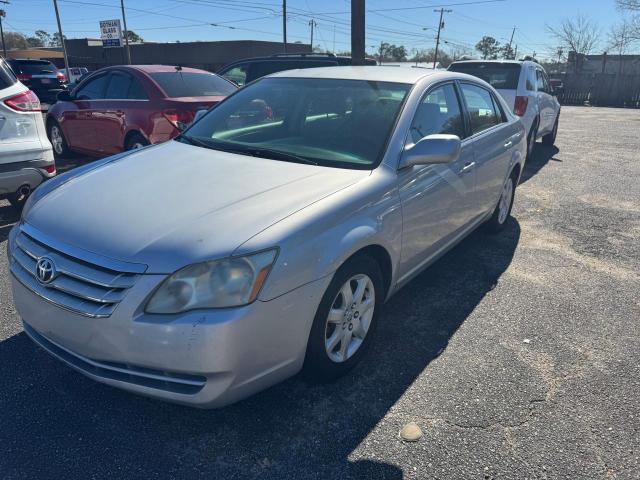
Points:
(58, 142)
(502, 211)
(345, 320)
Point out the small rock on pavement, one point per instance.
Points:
(526, 340)
(411, 432)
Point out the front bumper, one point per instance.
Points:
(205, 358)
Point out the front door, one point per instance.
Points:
(436, 199)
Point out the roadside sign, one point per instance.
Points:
(111, 33)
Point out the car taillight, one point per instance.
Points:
(50, 169)
(179, 118)
(520, 107)
(23, 76)
(61, 77)
(24, 102)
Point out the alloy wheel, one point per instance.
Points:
(505, 200)
(349, 318)
(56, 140)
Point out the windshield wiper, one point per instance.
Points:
(275, 155)
(198, 142)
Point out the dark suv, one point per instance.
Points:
(41, 76)
(250, 69)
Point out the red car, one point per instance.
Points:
(125, 107)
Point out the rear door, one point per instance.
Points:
(546, 102)
(493, 144)
(20, 132)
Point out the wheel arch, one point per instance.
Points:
(132, 132)
(382, 257)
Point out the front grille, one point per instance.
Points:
(168, 381)
(80, 286)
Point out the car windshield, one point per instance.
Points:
(192, 84)
(329, 122)
(499, 75)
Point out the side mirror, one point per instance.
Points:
(64, 96)
(430, 150)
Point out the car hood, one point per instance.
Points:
(170, 205)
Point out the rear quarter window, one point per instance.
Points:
(499, 75)
(192, 84)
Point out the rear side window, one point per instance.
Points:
(498, 75)
(192, 84)
(7, 78)
(33, 67)
(481, 107)
(118, 86)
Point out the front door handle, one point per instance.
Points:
(508, 144)
(467, 167)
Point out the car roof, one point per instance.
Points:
(367, 73)
(517, 62)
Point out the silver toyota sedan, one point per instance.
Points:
(264, 239)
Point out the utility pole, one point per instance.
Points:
(440, 26)
(2, 15)
(126, 36)
(334, 39)
(357, 32)
(284, 25)
(560, 52)
(312, 23)
(511, 41)
(64, 48)
(380, 53)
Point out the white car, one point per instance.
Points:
(26, 157)
(74, 74)
(525, 86)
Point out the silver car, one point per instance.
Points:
(265, 238)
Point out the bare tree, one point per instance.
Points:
(632, 5)
(634, 22)
(580, 35)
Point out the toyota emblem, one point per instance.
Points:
(45, 270)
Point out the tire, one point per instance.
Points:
(135, 141)
(531, 140)
(550, 138)
(334, 347)
(18, 199)
(58, 140)
(502, 212)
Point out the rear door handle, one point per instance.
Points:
(467, 167)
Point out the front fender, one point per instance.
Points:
(317, 240)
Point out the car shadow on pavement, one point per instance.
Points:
(542, 155)
(55, 423)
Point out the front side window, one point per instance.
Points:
(482, 111)
(541, 84)
(439, 112)
(330, 122)
(93, 89)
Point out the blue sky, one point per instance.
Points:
(397, 21)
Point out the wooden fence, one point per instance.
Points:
(601, 89)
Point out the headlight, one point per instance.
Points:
(230, 282)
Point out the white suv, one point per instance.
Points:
(26, 158)
(525, 87)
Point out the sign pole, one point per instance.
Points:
(126, 37)
(64, 48)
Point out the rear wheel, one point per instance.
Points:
(502, 211)
(345, 320)
(550, 138)
(58, 142)
(135, 141)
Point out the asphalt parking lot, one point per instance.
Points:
(518, 356)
